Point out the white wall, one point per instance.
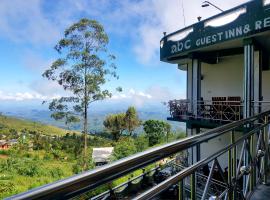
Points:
(213, 145)
(266, 85)
(223, 79)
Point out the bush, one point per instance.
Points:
(57, 173)
(6, 187)
(48, 156)
(123, 148)
(29, 169)
(141, 143)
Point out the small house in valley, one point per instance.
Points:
(101, 156)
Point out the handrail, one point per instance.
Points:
(91, 179)
(189, 170)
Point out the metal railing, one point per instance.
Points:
(226, 111)
(245, 170)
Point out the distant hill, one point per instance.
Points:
(20, 124)
(96, 117)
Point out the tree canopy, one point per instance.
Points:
(124, 147)
(84, 66)
(115, 123)
(119, 123)
(155, 130)
(132, 120)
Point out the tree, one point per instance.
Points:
(115, 123)
(61, 112)
(132, 120)
(155, 130)
(124, 147)
(83, 68)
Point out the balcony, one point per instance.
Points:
(218, 110)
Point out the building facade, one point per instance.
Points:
(226, 59)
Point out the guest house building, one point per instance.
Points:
(226, 60)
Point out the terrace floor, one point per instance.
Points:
(262, 192)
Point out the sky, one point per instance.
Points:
(30, 29)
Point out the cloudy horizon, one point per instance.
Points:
(30, 29)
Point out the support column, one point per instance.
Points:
(248, 78)
(196, 84)
(257, 81)
(189, 87)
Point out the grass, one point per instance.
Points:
(20, 124)
(14, 181)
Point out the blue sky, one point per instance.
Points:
(30, 29)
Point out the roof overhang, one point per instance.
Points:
(252, 20)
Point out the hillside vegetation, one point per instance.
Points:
(39, 157)
(7, 123)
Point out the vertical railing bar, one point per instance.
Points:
(246, 186)
(241, 158)
(253, 166)
(181, 190)
(234, 162)
(208, 180)
(229, 178)
(193, 187)
(266, 140)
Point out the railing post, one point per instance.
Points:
(266, 141)
(230, 168)
(252, 172)
(193, 187)
(234, 164)
(181, 190)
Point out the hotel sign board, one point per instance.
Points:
(256, 19)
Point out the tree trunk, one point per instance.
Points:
(85, 122)
(85, 138)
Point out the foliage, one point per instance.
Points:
(115, 123)
(82, 69)
(61, 112)
(155, 130)
(141, 142)
(124, 147)
(132, 120)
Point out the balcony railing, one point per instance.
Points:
(220, 110)
(245, 169)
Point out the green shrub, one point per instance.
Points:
(29, 170)
(6, 187)
(57, 173)
(48, 156)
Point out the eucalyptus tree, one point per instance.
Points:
(132, 120)
(83, 68)
(62, 112)
(115, 123)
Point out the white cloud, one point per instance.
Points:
(152, 95)
(24, 96)
(24, 21)
(169, 17)
(132, 94)
(45, 87)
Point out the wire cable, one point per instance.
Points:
(183, 12)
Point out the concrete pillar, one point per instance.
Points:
(196, 85)
(189, 87)
(257, 81)
(248, 78)
(194, 153)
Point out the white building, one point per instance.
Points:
(101, 156)
(226, 59)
